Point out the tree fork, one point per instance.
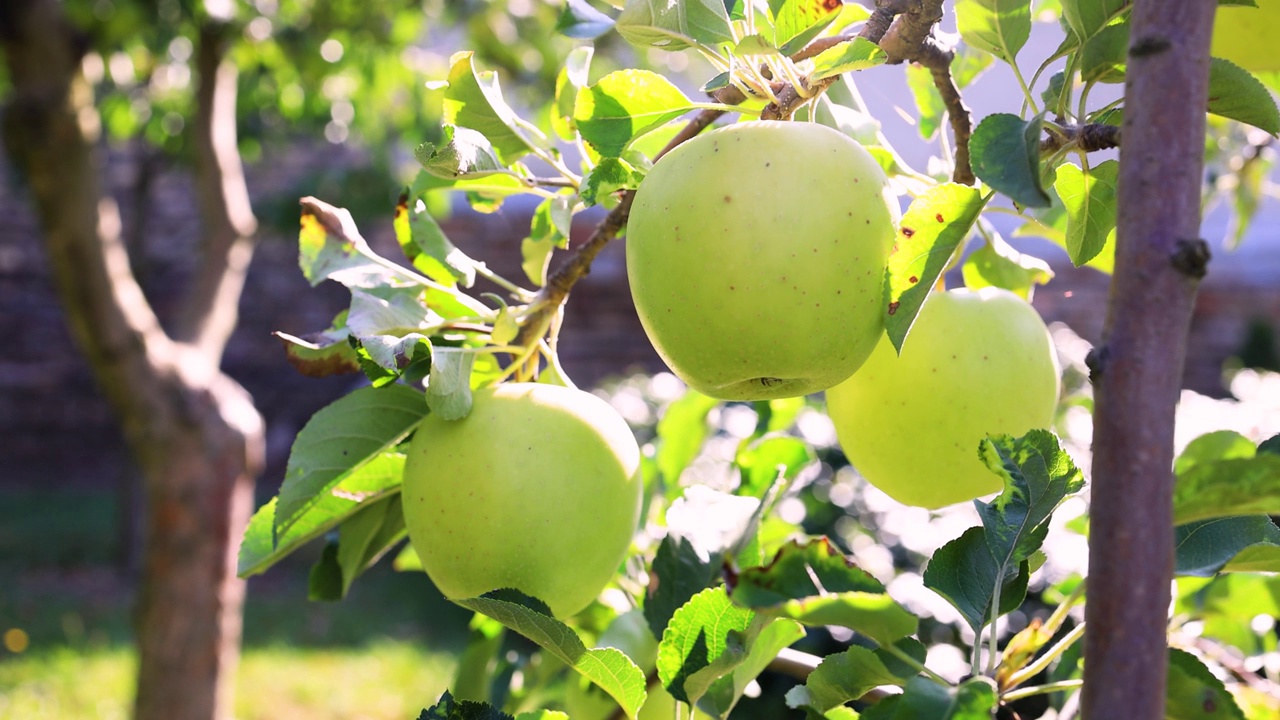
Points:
(1138, 380)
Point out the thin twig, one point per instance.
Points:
(911, 38)
(553, 294)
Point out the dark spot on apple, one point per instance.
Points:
(913, 279)
(893, 307)
(728, 199)
(939, 218)
(767, 164)
(768, 381)
(908, 232)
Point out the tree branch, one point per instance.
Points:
(553, 294)
(211, 309)
(1089, 138)
(1138, 366)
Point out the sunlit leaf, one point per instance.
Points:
(609, 668)
(846, 676)
(449, 384)
(1249, 543)
(1237, 95)
(338, 440)
(624, 105)
(579, 20)
(1193, 692)
(997, 264)
(1087, 17)
(1106, 55)
(856, 54)
(934, 225)
(1000, 27)
(706, 639)
(674, 25)
(1090, 200)
(797, 22)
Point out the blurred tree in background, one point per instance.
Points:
(208, 86)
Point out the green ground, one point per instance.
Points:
(384, 652)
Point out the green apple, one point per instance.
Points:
(976, 363)
(756, 257)
(537, 489)
(629, 632)
(1246, 35)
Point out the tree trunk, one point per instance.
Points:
(1137, 369)
(195, 433)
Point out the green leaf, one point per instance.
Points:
(1105, 56)
(1193, 692)
(843, 677)
(323, 353)
(1089, 197)
(724, 693)
(371, 482)
(1226, 485)
(934, 225)
(990, 561)
(816, 585)
(548, 229)
(474, 100)
(1249, 543)
(965, 68)
(367, 535)
(389, 310)
(1038, 475)
(1000, 27)
(338, 440)
(964, 572)
(579, 20)
(461, 152)
(624, 105)
(542, 715)
(393, 357)
(1236, 95)
(571, 78)
(973, 699)
(706, 639)
(449, 709)
(473, 680)
(609, 668)
(324, 581)
(674, 25)
(764, 460)
(857, 54)
(331, 248)
(1087, 17)
(449, 384)
(997, 264)
(681, 572)
(797, 22)
(425, 244)
(929, 106)
(608, 177)
(681, 431)
(1006, 156)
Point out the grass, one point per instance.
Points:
(386, 679)
(386, 651)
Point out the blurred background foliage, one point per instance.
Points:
(354, 74)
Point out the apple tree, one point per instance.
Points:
(778, 246)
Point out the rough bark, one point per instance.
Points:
(1137, 368)
(194, 432)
